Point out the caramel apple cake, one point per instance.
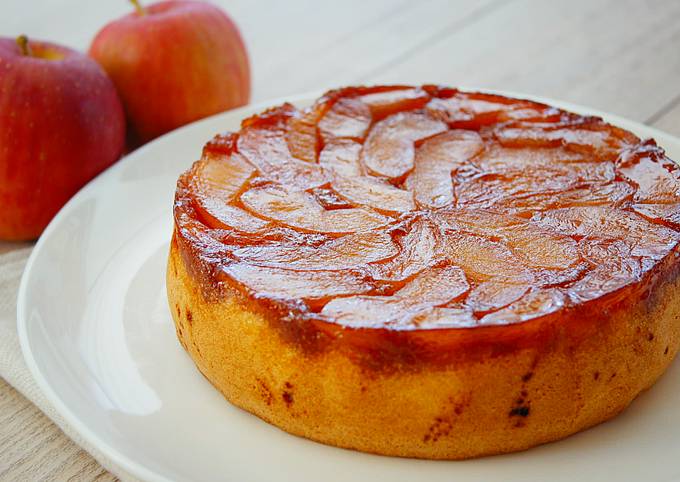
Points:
(427, 272)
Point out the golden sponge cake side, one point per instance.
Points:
(582, 374)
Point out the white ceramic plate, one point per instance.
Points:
(97, 335)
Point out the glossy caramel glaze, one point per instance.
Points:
(405, 219)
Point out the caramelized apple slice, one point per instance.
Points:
(483, 259)
(419, 249)
(668, 214)
(383, 104)
(435, 160)
(544, 163)
(553, 258)
(536, 248)
(215, 182)
(341, 156)
(341, 253)
(590, 136)
(300, 210)
(473, 110)
(484, 222)
(497, 158)
(226, 216)
(541, 249)
(200, 238)
(221, 144)
(604, 279)
(601, 222)
(615, 193)
(374, 193)
(492, 295)
(657, 180)
(221, 177)
(532, 305)
(314, 287)
(612, 268)
(539, 302)
(486, 190)
(389, 148)
(303, 142)
(267, 149)
(435, 286)
(508, 187)
(349, 117)
(443, 317)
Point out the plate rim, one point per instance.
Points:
(122, 462)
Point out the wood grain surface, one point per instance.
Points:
(33, 448)
(619, 56)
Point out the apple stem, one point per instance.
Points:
(22, 42)
(138, 7)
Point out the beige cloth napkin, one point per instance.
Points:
(12, 366)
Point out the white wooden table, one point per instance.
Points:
(619, 56)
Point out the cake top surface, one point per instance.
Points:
(426, 207)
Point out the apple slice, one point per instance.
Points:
(553, 258)
(383, 104)
(550, 162)
(435, 286)
(601, 222)
(341, 156)
(419, 249)
(435, 160)
(484, 222)
(668, 214)
(216, 181)
(221, 144)
(200, 238)
(497, 158)
(474, 110)
(484, 259)
(221, 177)
(535, 247)
(219, 215)
(541, 249)
(605, 279)
(492, 295)
(444, 317)
(389, 148)
(532, 305)
(301, 210)
(519, 135)
(612, 194)
(612, 268)
(373, 193)
(349, 117)
(486, 190)
(657, 179)
(266, 148)
(302, 138)
(314, 287)
(591, 136)
(342, 253)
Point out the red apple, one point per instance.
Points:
(174, 62)
(61, 123)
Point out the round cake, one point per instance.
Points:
(426, 272)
